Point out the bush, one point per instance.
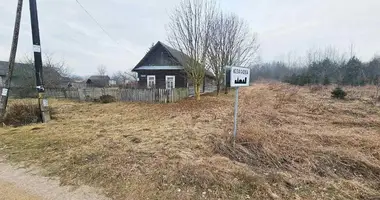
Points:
(88, 98)
(107, 99)
(338, 93)
(300, 80)
(22, 113)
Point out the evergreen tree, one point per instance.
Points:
(373, 70)
(353, 72)
(324, 71)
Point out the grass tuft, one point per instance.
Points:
(22, 113)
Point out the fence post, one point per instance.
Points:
(64, 92)
(85, 94)
(172, 93)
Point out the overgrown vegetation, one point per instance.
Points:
(338, 93)
(107, 98)
(25, 112)
(293, 143)
(22, 113)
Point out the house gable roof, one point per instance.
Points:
(4, 67)
(166, 48)
(22, 71)
(178, 56)
(98, 81)
(99, 77)
(27, 68)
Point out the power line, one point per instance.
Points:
(100, 26)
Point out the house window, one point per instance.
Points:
(170, 82)
(151, 81)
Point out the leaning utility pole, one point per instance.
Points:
(43, 103)
(11, 64)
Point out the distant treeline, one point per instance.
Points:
(324, 70)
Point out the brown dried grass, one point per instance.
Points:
(292, 144)
(22, 113)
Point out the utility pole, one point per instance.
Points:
(11, 64)
(43, 103)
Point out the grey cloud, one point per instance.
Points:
(282, 26)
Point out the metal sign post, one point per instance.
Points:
(237, 77)
(236, 112)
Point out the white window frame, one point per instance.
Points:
(166, 81)
(147, 80)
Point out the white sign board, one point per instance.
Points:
(239, 77)
(4, 92)
(45, 103)
(37, 48)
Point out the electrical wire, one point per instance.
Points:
(100, 26)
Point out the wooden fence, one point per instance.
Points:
(128, 95)
(29, 92)
(62, 93)
(154, 95)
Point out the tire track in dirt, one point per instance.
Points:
(23, 184)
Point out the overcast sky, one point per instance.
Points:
(282, 26)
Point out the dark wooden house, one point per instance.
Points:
(162, 67)
(24, 76)
(98, 81)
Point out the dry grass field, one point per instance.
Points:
(293, 143)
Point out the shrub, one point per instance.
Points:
(300, 80)
(338, 93)
(107, 99)
(88, 98)
(22, 113)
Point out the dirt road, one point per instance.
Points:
(22, 184)
(11, 192)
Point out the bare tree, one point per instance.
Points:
(59, 65)
(123, 78)
(232, 43)
(190, 33)
(132, 76)
(102, 70)
(53, 71)
(119, 77)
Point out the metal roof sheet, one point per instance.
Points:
(160, 68)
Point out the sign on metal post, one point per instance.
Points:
(237, 77)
